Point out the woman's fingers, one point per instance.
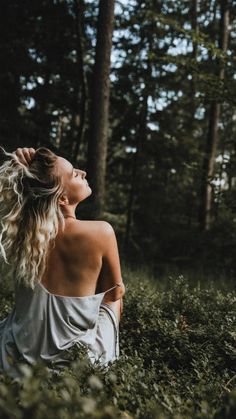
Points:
(20, 155)
(25, 154)
(31, 153)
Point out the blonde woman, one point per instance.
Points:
(68, 284)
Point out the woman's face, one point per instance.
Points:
(76, 187)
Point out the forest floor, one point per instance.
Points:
(177, 359)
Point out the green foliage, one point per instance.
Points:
(164, 77)
(178, 360)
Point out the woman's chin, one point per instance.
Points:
(89, 191)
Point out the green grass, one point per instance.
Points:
(178, 359)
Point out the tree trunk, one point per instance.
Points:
(194, 23)
(194, 57)
(80, 95)
(43, 118)
(141, 135)
(219, 191)
(97, 145)
(205, 215)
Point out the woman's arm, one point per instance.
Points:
(110, 274)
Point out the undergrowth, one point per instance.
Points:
(178, 360)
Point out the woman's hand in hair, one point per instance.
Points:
(25, 154)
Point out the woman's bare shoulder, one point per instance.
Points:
(97, 226)
(83, 233)
(97, 233)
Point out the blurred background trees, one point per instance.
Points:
(169, 153)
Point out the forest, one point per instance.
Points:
(142, 95)
(161, 157)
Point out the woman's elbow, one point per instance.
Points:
(121, 289)
(120, 292)
(116, 294)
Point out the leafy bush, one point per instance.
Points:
(178, 359)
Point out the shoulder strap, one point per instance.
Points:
(112, 288)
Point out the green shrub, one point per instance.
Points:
(178, 360)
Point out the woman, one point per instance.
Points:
(67, 271)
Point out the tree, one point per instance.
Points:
(97, 143)
(212, 135)
(80, 94)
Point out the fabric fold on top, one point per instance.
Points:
(42, 325)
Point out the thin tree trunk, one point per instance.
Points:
(194, 15)
(230, 171)
(43, 117)
(220, 179)
(80, 96)
(194, 57)
(208, 167)
(141, 135)
(205, 216)
(97, 145)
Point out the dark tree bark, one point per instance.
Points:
(142, 130)
(80, 95)
(194, 12)
(141, 136)
(44, 120)
(220, 179)
(97, 145)
(194, 23)
(205, 215)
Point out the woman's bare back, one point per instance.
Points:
(84, 260)
(75, 262)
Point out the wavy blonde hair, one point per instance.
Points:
(30, 213)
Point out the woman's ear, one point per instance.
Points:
(63, 200)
